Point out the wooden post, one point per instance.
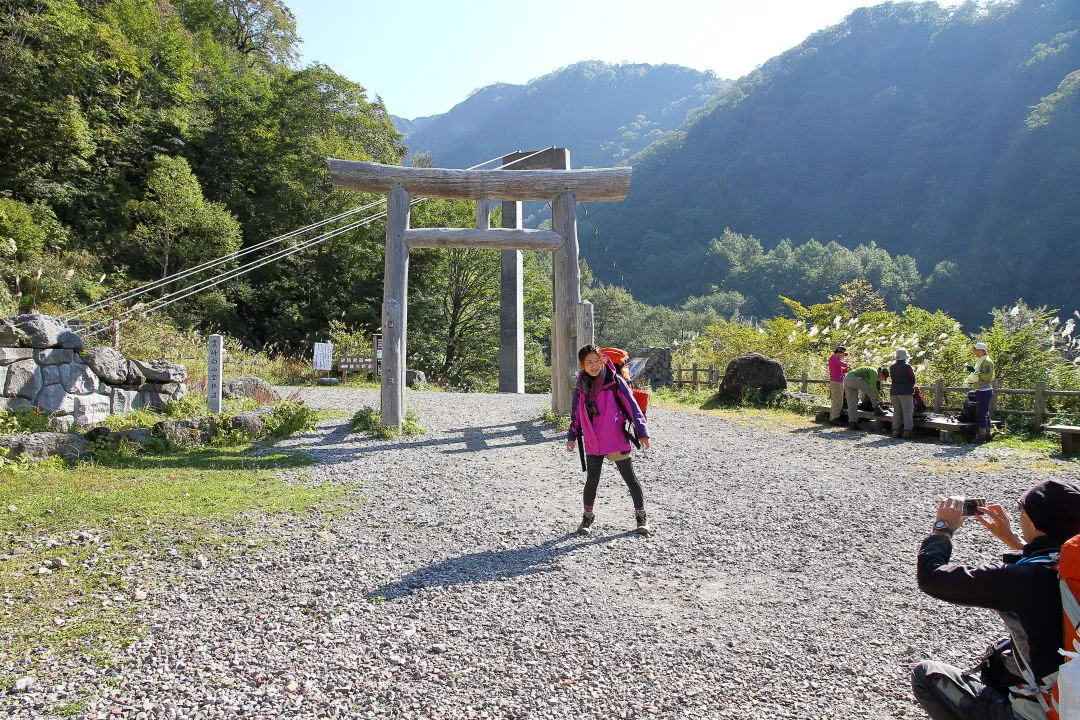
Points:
(805, 382)
(483, 214)
(394, 310)
(567, 297)
(939, 395)
(511, 307)
(585, 332)
(713, 379)
(1040, 403)
(693, 376)
(993, 399)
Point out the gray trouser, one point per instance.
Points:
(852, 387)
(903, 411)
(948, 693)
(836, 392)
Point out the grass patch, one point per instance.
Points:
(117, 529)
(555, 420)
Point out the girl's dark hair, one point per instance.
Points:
(884, 372)
(586, 350)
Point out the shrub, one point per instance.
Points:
(289, 417)
(369, 420)
(13, 422)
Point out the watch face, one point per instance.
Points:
(941, 525)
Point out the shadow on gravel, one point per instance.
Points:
(836, 434)
(489, 566)
(340, 444)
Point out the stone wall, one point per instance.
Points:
(42, 364)
(656, 370)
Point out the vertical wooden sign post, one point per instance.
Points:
(214, 354)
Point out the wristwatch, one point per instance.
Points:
(942, 526)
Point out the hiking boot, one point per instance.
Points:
(643, 526)
(908, 434)
(585, 526)
(896, 433)
(853, 426)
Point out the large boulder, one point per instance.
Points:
(415, 379)
(43, 331)
(11, 335)
(160, 371)
(754, 376)
(249, 423)
(108, 364)
(251, 387)
(185, 431)
(39, 446)
(24, 379)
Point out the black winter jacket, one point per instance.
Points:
(1024, 594)
(903, 379)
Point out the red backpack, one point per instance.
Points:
(1047, 693)
(619, 358)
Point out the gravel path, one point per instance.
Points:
(779, 582)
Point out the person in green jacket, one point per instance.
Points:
(982, 379)
(866, 380)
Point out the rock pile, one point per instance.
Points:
(657, 370)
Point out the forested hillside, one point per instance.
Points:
(603, 113)
(141, 138)
(947, 135)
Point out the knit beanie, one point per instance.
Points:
(1054, 508)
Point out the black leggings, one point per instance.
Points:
(595, 463)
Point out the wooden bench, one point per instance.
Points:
(1070, 437)
(946, 427)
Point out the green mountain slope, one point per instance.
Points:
(946, 135)
(603, 113)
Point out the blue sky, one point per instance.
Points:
(425, 56)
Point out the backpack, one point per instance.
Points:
(1058, 695)
(619, 358)
(967, 411)
(918, 402)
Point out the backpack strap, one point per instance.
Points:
(631, 436)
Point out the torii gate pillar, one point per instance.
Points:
(511, 286)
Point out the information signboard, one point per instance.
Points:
(324, 356)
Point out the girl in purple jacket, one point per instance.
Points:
(602, 403)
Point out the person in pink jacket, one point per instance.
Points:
(601, 405)
(838, 367)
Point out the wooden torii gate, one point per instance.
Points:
(571, 324)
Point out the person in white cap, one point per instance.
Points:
(902, 395)
(982, 379)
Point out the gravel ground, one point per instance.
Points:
(779, 582)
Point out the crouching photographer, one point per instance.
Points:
(1023, 589)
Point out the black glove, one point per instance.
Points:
(969, 368)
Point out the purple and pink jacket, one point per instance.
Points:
(837, 368)
(603, 434)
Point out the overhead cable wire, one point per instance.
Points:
(611, 256)
(175, 277)
(277, 255)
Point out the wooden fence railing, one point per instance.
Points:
(937, 391)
